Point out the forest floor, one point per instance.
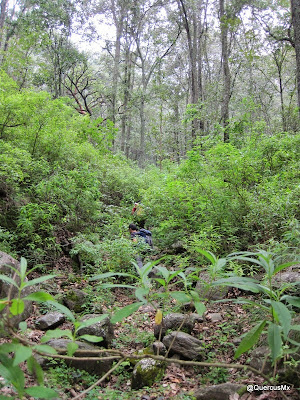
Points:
(134, 333)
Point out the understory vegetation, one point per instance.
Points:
(229, 209)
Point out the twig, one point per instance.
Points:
(100, 380)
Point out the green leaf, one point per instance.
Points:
(243, 283)
(210, 256)
(164, 272)
(181, 297)
(38, 280)
(274, 340)
(4, 397)
(125, 312)
(283, 316)
(140, 293)
(23, 326)
(295, 328)
(91, 338)
(71, 348)
(39, 296)
(45, 348)
(21, 354)
(41, 392)
(250, 338)
(17, 306)
(57, 333)
(283, 266)
(91, 321)
(35, 369)
(161, 281)
(200, 307)
(8, 280)
(293, 300)
(63, 309)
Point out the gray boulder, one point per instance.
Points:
(75, 299)
(97, 367)
(159, 348)
(8, 290)
(209, 292)
(102, 329)
(219, 392)
(50, 321)
(185, 345)
(146, 372)
(173, 321)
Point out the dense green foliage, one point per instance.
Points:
(62, 190)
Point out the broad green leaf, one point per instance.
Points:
(45, 348)
(8, 280)
(293, 300)
(250, 338)
(274, 340)
(41, 392)
(63, 309)
(200, 307)
(283, 316)
(243, 283)
(21, 354)
(17, 306)
(140, 293)
(71, 348)
(23, 326)
(38, 280)
(39, 296)
(4, 397)
(164, 272)
(57, 333)
(91, 321)
(181, 297)
(283, 266)
(91, 338)
(295, 328)
(210, 256)
(35, 369)
(125, 312)
(161, 281)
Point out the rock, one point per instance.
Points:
(288, 275)
(219, 392)
(184, 344)
(50, 321)
(74, 299)
(102, 329)
(214, 317)
(5, 288)
(206, 291)
(173, 321)
(146, 372)
(260, 357)
(97, 367)
(159, 348)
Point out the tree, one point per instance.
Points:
(295, 7)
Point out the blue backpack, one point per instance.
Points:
(146, 235)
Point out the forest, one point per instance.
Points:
(178, 116)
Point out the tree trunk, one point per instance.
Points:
(226, 70)
(295, 7)
(3, 9)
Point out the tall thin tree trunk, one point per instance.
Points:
(295, 7)
(226, 70)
